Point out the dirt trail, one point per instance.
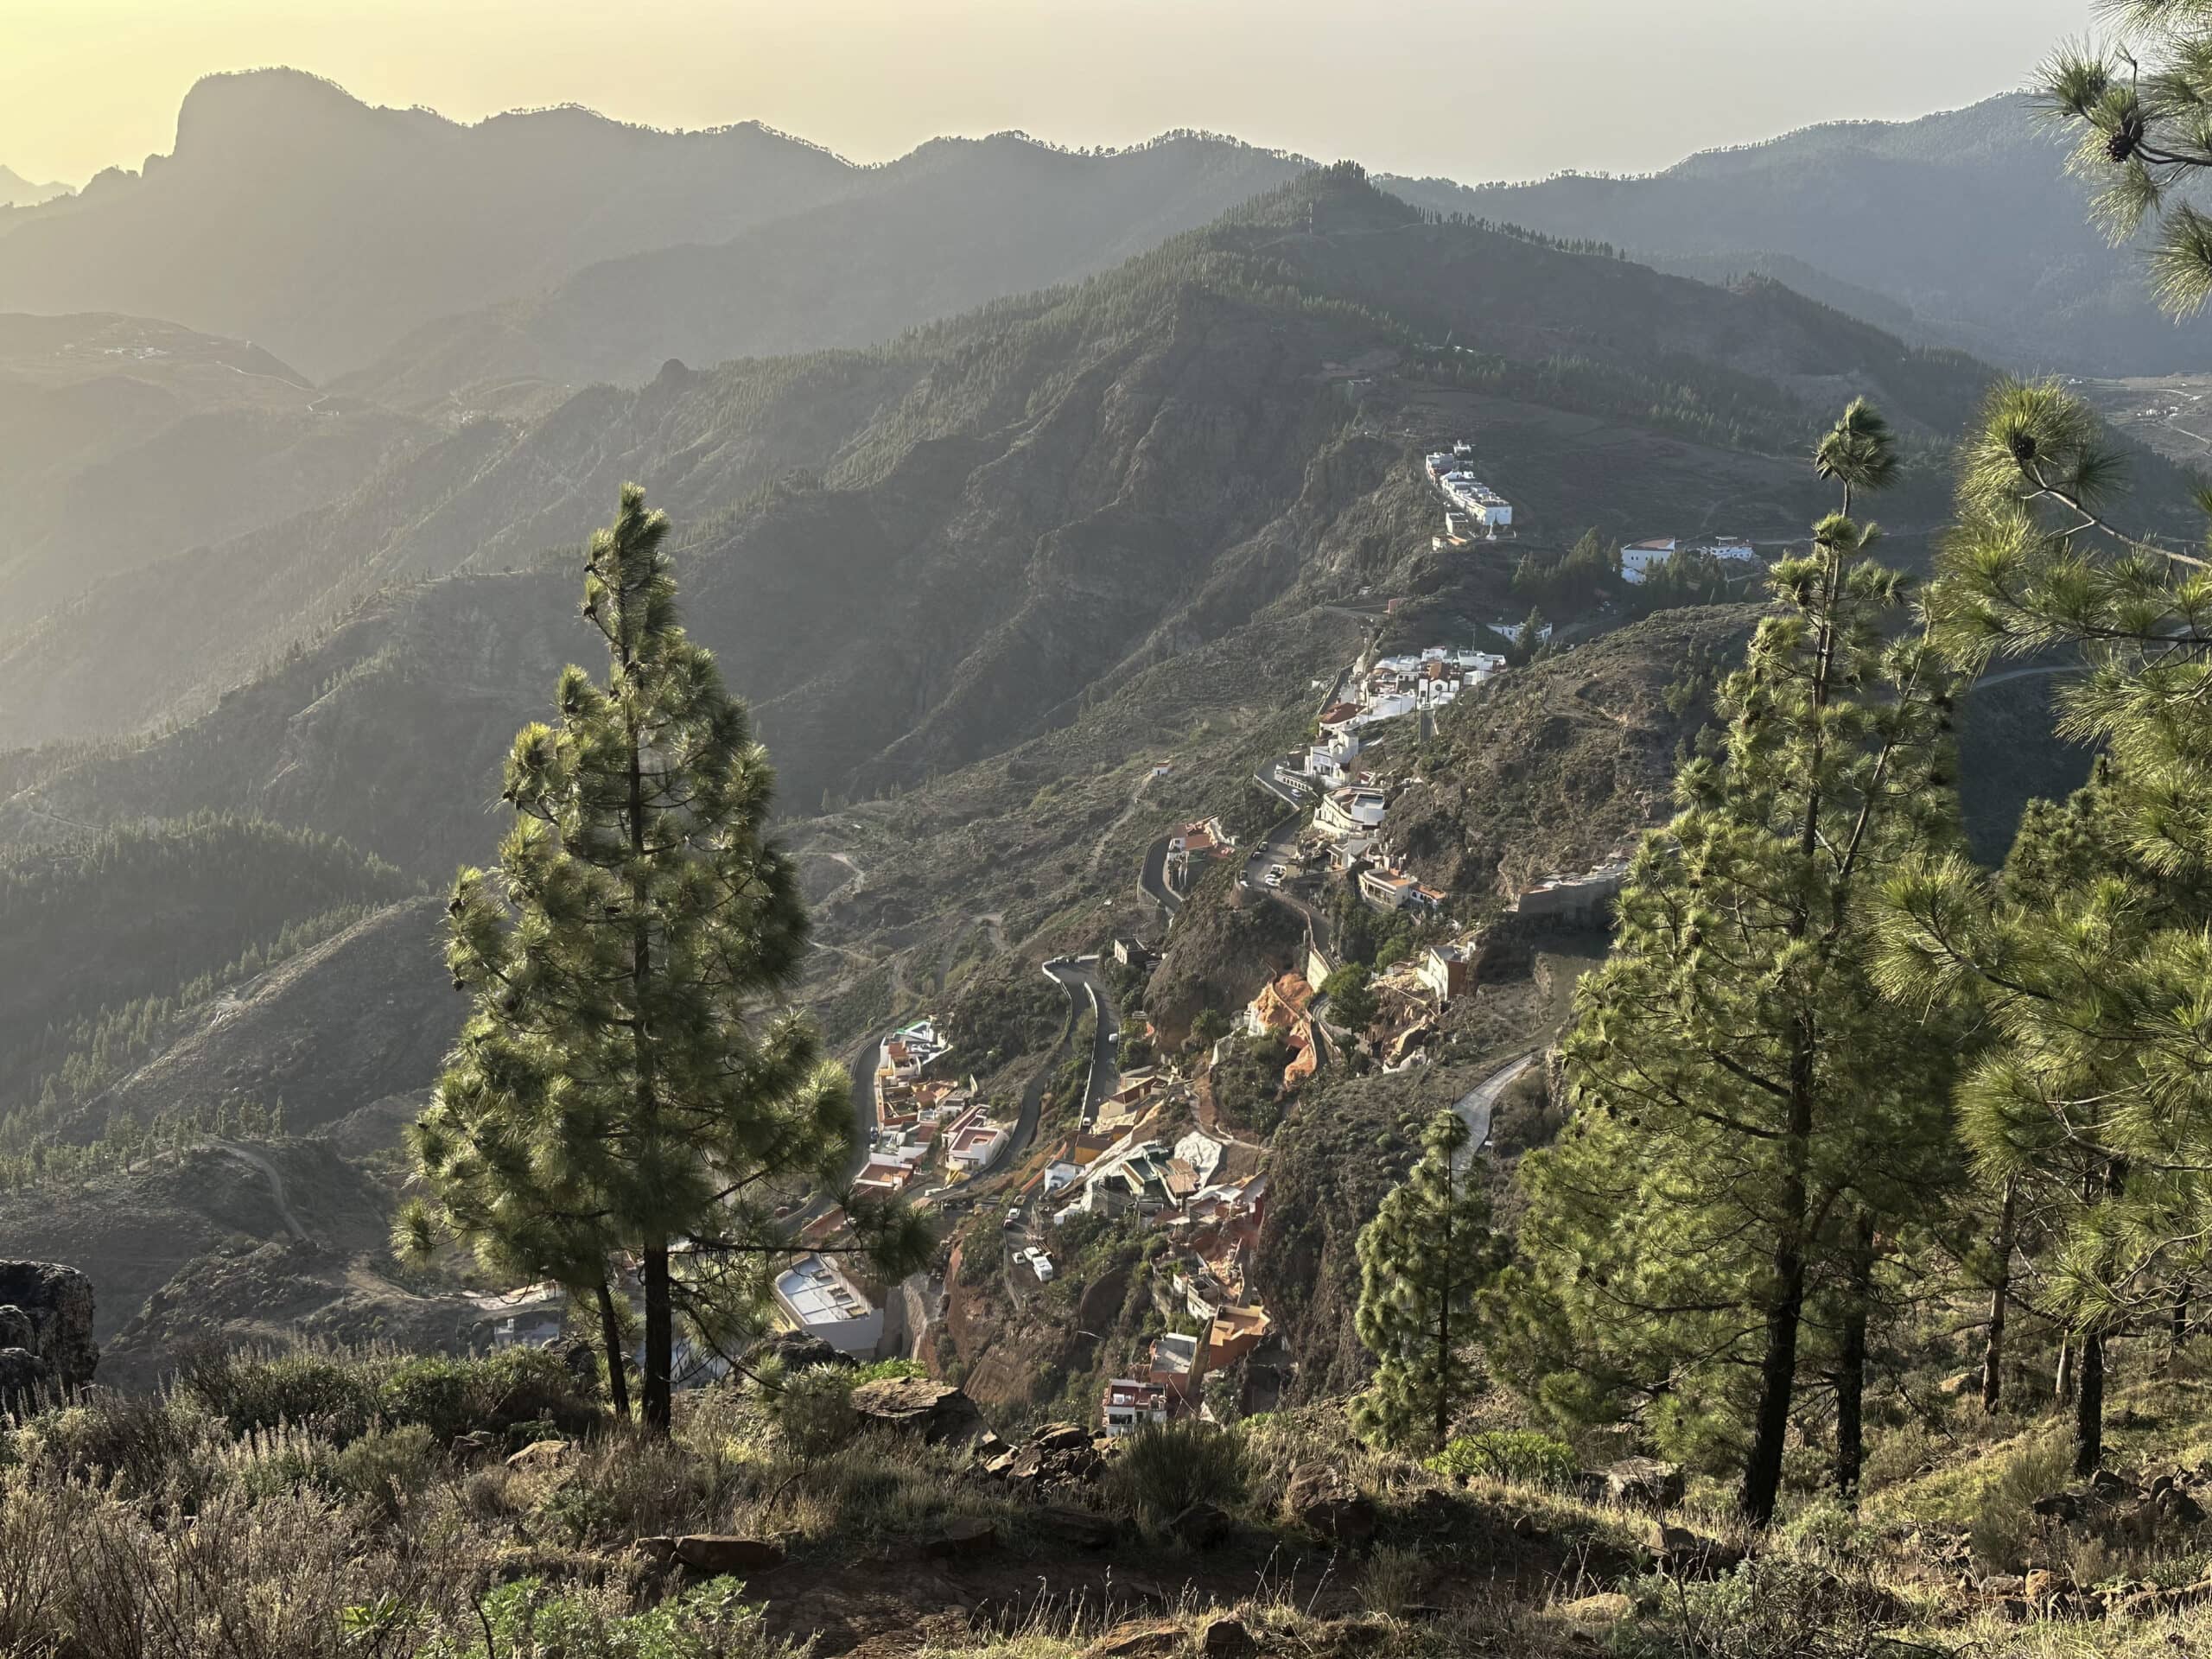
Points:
(275, 1178)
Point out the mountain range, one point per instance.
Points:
(1025, 495)
(1963, 228)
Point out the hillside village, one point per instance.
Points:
(1145, 1142)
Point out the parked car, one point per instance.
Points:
(1274, 875)
(1013, 1217)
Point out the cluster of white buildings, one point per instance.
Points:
(1447, 470)
(1638, 559)
(1390, 688)
(918, 1117)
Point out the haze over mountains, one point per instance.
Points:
(1000, 474)
(1963, 228)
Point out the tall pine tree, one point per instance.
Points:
(1746, 1112)
(1423, 1263)
(630, 1083)
(2091, 961)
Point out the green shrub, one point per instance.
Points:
(529, 1619)
(2001, 1522)
(451, 1396)
(813, 1412)
(1163, 1469)
(149, 1445)
(383, 1471)
(250, 1391)
(1508, 1454)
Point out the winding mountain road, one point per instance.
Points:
(1475, 1106)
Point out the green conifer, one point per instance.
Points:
(629, 1083)
(1424, 1261)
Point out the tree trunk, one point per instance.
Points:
(1785, 1309)
(1777, 1385)
(618, 1373)
(2089, 1407)
(2061, 1387)
(660, 1340)
(2001, 1293)
(2178, 1332)
(1851, 1366)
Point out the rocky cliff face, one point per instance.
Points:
(46, 1327)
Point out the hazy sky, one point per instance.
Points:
(1474, 89)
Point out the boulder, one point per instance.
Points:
(1227, 1638)
(2159, 1599)
(1201, 1526)
(540, 1455)
(1060, 1437)
(940, 1413)
(1327, 1504)
(477, 1443)
(26, 1381)
(55, 1304)
(2110, 1488)
(795, 1350)
(1155, 1638)
(711, 1555)
(1998, 1585)
(961, 1539)
(1688, 1555)
(660, 1552)
(16, 1330)
(1076, 1528)
(1645, 1484)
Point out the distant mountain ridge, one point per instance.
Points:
(295, 215)
(1967, 219)
(17, 191)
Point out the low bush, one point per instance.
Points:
(530, 1619)
(1162, 1469)
(2001, 1522)
(813, 1412)
(1508, 1454)
(382, 1473)
(250, 1391)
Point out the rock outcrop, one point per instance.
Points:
(939, 1412)
(46, 1328)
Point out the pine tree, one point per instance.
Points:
(2137, 109)
(629, 1082)
(1747, 1112)
(1424, 1261)
(2091, 961)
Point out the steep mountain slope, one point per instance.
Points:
(956, 223)
(120, 943)
(1967, 219)
(124, 440)
(292, 215)
(993, 520)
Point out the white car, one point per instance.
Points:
(1274, 875)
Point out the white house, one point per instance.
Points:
(973, 1144)
(1130, 1404)
(824, 1303)
(1348, 811)
(1061, 1175)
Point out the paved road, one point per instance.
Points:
(1152, 879)
(1279, 847)
(1269, 778)
(1078, 978)
(863, 1063)
(269, 1173)
(1475, 1106)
